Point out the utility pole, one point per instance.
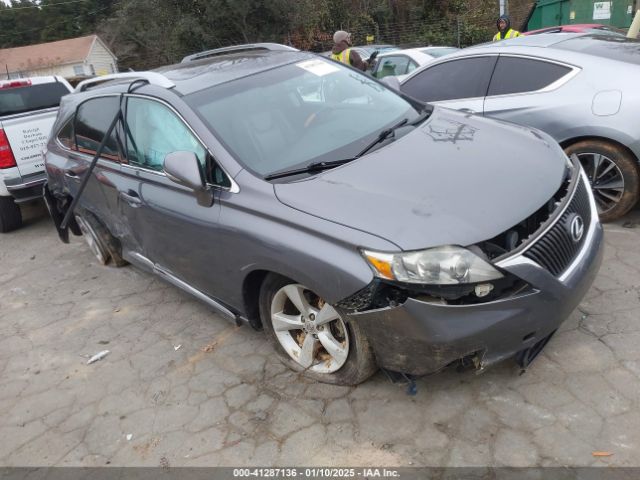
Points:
(503, 7)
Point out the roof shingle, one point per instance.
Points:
(46, 54)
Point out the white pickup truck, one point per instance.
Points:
(28, 108)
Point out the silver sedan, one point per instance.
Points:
(581, 89)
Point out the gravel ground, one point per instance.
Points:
(223, 398)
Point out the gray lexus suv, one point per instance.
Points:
(357, 227)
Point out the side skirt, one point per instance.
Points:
(146, 264)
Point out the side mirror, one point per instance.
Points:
(184, 169)
(392, 82)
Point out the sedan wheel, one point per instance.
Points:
(607, 181)
(311, 336)
(612, 173)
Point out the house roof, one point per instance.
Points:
(42, 55)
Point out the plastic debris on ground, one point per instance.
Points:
(98, 356)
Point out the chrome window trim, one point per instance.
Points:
(574, 70)
(235, 188)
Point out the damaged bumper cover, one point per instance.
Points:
(420, 337)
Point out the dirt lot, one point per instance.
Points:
(223, 398)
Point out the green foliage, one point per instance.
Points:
(149, 33)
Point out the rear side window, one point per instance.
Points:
(518, 75)
(66, 137)
(92, 122)
(393, 65)
(465, 78)
(33, 97)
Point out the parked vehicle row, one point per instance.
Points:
(400, 63)
(358, 226)
(28, 108)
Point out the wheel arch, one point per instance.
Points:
(572, 141)
(251, 296)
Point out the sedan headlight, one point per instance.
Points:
(447, 265)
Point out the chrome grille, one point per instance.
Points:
(556, 249)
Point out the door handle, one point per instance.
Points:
(71, 174)
(131, 198)
(467, 110)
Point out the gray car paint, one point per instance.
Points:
(432, 186)
(441, 178)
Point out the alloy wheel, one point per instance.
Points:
(605, 178)
(310, 330)
(93, 240)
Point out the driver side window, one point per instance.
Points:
(152, 131)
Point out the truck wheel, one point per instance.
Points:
(10, 215)
(311, 337)
(613, 175)
(105, 247)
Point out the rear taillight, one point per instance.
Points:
(15, 84)
(7, 160)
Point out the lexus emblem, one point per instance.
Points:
(576, 228)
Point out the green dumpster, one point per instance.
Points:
(550, 13)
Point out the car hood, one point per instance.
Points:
(456, 179)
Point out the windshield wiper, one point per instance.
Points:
(319, 166)
(312, 167)
(388, 132)
(382, 136)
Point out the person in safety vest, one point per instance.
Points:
(504, 29)
(342, 51)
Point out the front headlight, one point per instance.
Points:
(447, 265)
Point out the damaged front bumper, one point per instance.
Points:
(420, 337)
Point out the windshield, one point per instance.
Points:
(439, 52)
(33, 97)
(311, 111)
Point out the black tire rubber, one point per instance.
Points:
(627, 164)
(109, 242)
(10, 215)
(360, 363)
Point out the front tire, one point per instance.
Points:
(10, 215)
(311, 337)
(613, 175)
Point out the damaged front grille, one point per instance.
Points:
(557, 248)
(517, 236)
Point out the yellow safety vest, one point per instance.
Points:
(344, 56)
(511, 33)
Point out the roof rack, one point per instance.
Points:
(154, 78)
(247, 47)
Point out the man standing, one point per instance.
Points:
(342, 51)
(504, 29)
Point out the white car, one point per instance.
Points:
(400, 63)
(28, 108)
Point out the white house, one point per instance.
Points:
(75, 57)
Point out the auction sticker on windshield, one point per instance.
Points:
(318, 67)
